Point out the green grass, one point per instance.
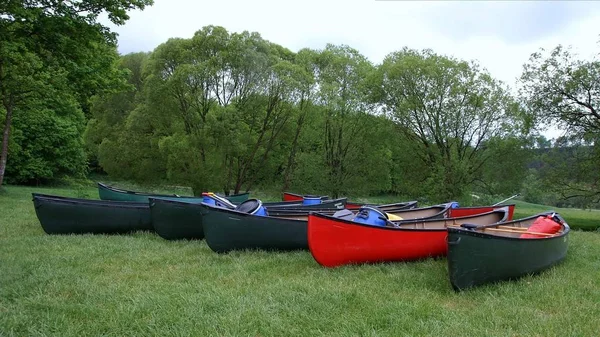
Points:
(142, 285)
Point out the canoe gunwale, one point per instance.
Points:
(141, 194)
(144, 194)
(164, 200)
(211, 208)
(478, 234)
(89, 202)
(411, 221)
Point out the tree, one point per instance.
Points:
(225, 101)
(558, 88)
(342, 81)
(109, 112)
(449, 109)
(302, 94)
(45, 44)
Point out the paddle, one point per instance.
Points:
(505, 200)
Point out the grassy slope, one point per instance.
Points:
(140, 284)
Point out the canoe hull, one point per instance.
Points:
(226, 230)
(478, 258)
(334, 242)
(79, 216)
(467, 211)
(360, 244)
(176, 220)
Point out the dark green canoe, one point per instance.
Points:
(180, 220)
(176, 220)
(479, 256)
(226, 230)
(237, 198)
(61, 215)
(111, 193)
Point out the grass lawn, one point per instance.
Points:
(142, 285)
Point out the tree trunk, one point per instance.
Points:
(292, 157)
(5, 135)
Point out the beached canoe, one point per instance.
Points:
(61, 215)
(112, 193)
(401, 206)
(176, 219)
(226, 230)
(335, 241)
(174, 228)
(466, 211)
(507, 251)
(288, 196)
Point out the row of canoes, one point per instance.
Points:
(483, 244)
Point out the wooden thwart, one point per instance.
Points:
(514, 228)
(507, 229)
(517, 231)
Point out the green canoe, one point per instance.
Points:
(60, 215)
(226, 230)
(176, 220)
(111, 193)
(494, 253)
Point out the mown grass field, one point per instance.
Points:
(142, 285)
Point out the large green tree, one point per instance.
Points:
(561, 89)
(48, 46)
(448, 109)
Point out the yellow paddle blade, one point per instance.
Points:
(393, 217)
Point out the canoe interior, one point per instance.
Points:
(511, 229)
(492, 217)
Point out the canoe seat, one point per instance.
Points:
(542, 224)
(344, 214)
(248, 206)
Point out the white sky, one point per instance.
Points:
(500, 35)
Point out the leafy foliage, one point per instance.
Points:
(448, 110)
(561, 89)
(49, 47)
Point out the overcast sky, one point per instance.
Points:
(500, 35)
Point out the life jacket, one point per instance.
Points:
(543, 224)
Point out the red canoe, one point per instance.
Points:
(335, 242)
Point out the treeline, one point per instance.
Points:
(232, 112)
